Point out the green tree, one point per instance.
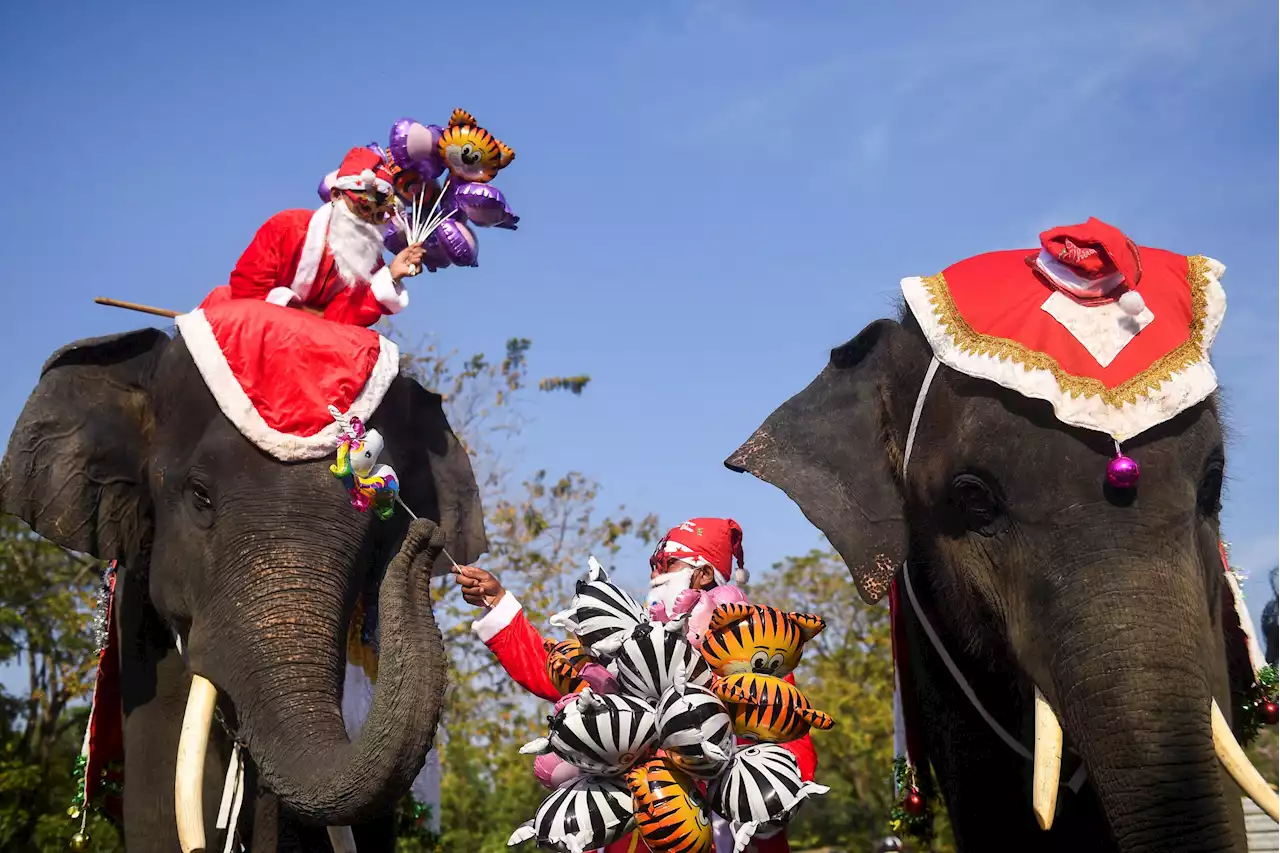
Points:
(847, 671)
(47, 597)
(541, 528)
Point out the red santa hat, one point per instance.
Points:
(1092, 260)
(714, 542)
(363, 170)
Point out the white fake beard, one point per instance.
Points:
(356, 244)
(666, 587)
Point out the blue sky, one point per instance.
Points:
(713, 193)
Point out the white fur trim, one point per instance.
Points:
(312, 251)
(360, 183)
(1181, 391)
(492, 623)
(238, 408)
(1068, 279)
(282, 296)
(1104, 330)
(390, 293)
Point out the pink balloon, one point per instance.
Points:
(552, 771)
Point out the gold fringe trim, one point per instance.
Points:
(1129, 391)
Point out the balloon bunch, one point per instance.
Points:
(682, 722)
(439, 217)
(368, 483)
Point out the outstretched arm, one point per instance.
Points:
(507, 631)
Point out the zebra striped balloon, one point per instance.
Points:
(585, 814)
(761, 788)
(695, 730)
(651, 659)
(604, 734)
(600, 614)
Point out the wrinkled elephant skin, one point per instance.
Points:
(122, 452)
(1037, 576)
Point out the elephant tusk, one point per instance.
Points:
(342, 839)
(188, 782)
(1240, 767)
(1048, 762)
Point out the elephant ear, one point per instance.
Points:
(75, 468)
(833, 449)
(436, 478)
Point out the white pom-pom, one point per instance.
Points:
(368, 177)
(740, 576)
(1132, 303)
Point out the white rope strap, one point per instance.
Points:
(1077, 779)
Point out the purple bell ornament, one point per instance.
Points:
(1122, 471)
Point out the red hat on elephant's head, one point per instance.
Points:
(1093, 259)
(714, 542)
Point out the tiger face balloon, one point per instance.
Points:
(745, 637)
(565, 661)
(671, 815)
(765, 708)
(471, 153)
(695, 730)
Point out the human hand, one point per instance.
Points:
(479, 588)
(407, 263)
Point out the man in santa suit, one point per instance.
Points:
(329, 261)
(698, 554)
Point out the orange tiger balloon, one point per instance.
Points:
(470, 152)
(766, 708)
(671, 815)
(565, 661)
(745, 637)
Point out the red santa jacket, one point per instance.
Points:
(518, 646)
(289, 263)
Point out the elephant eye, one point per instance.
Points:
(975, 500)
(1209, 495)
(200, 496)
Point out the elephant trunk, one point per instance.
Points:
(283, 668)
(1133, 686)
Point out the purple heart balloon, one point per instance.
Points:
(459, 243)
(482, 204)
(395, 240)
(434, 256)
(325, 190)
(414, 146)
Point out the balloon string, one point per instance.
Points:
(405, 506)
